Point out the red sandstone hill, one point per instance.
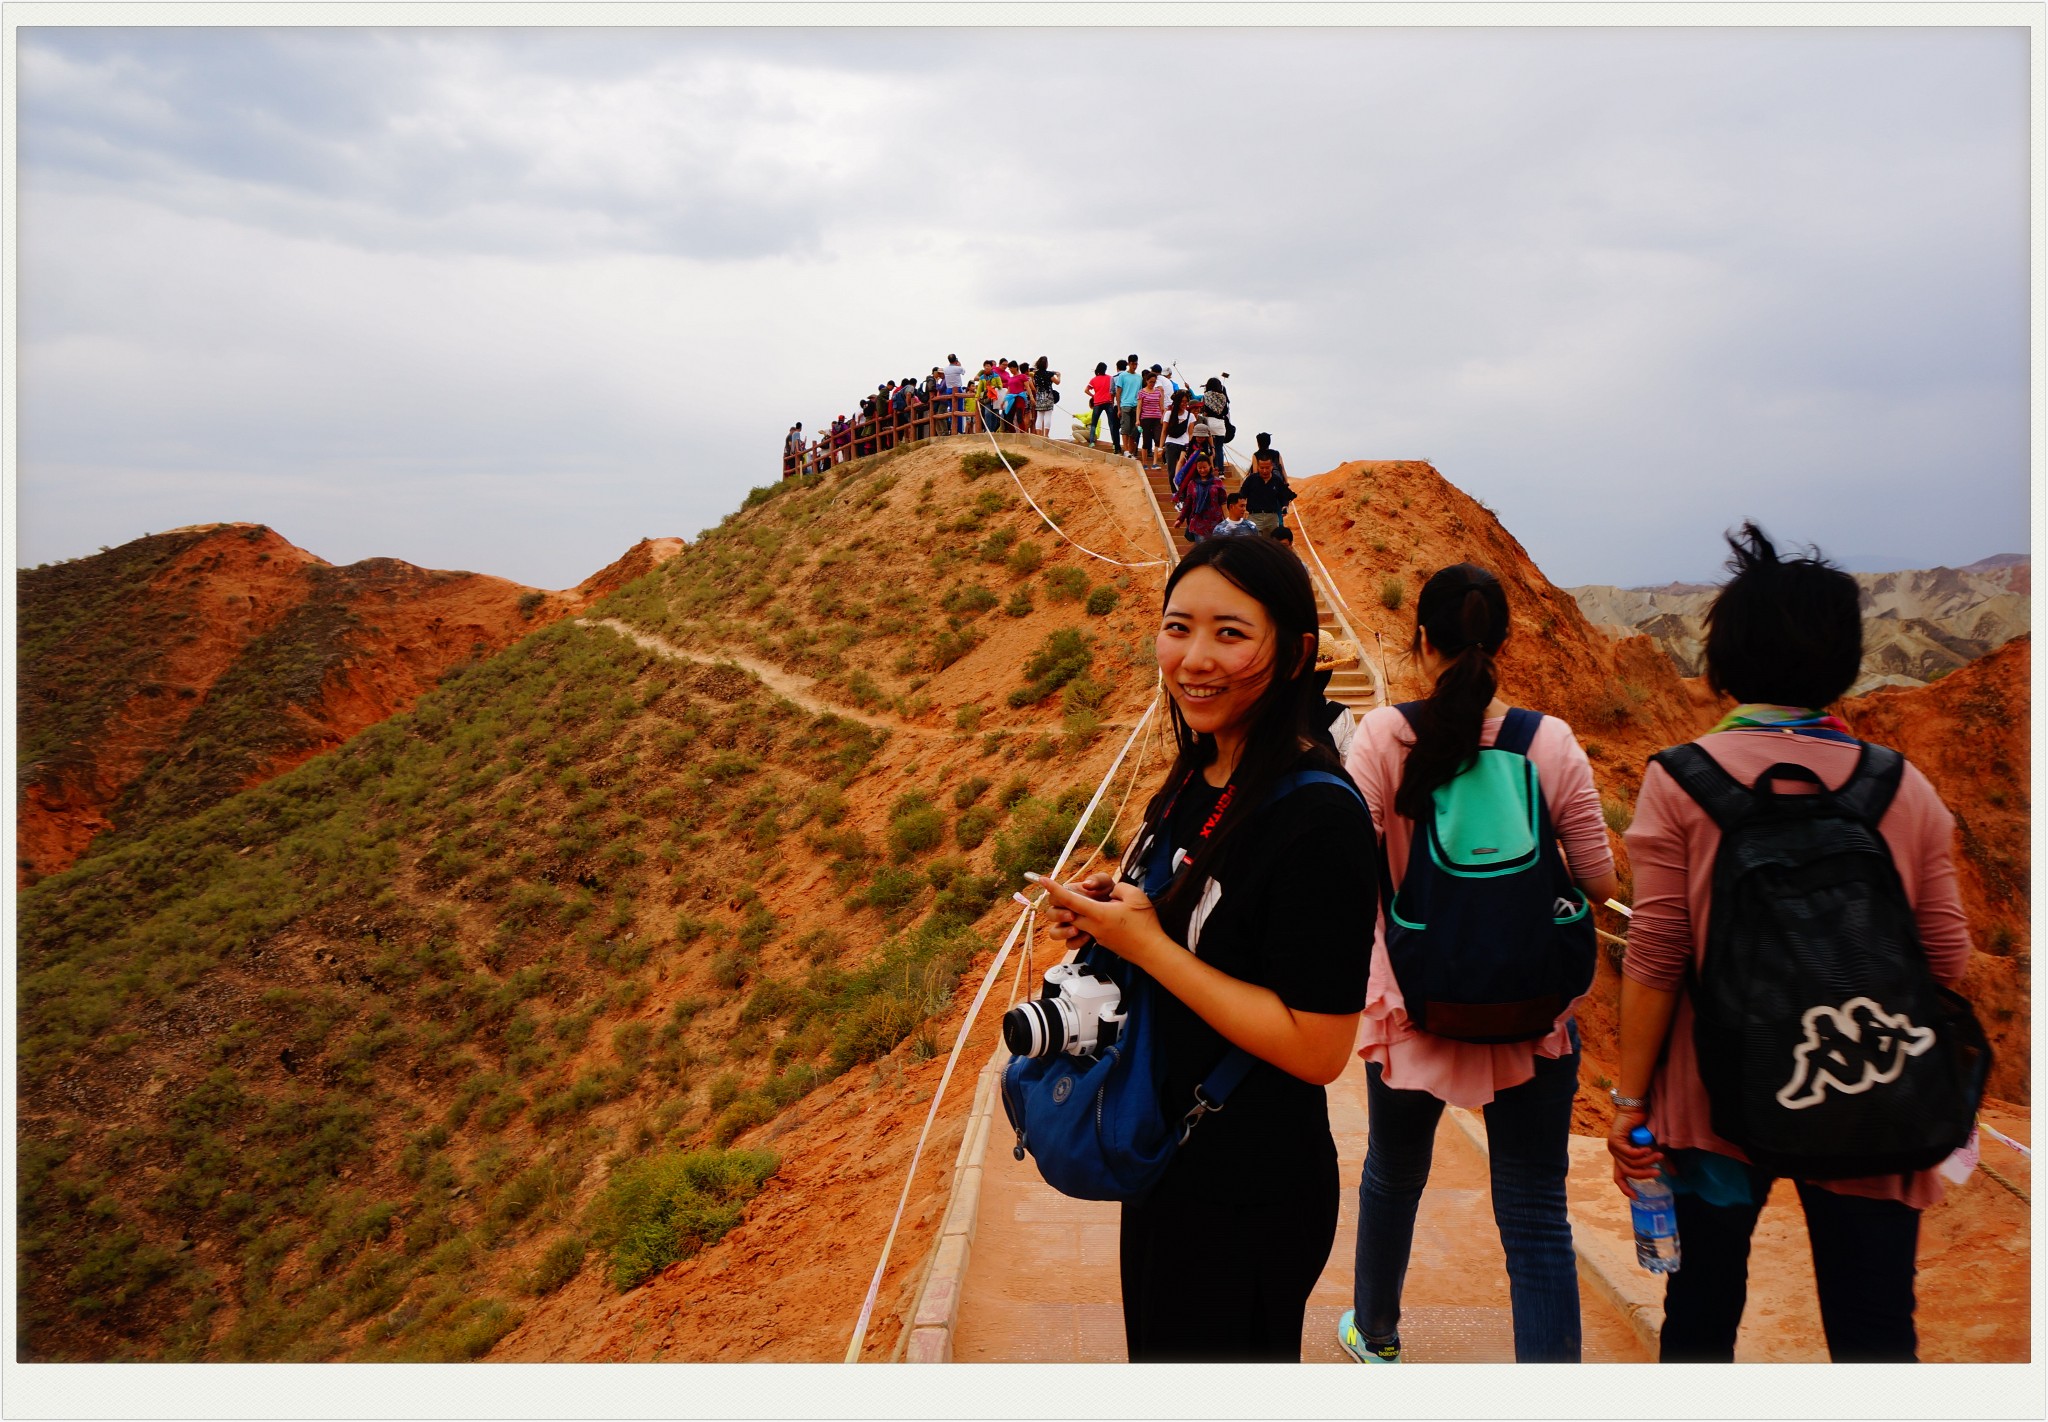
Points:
(168, 673)
(1383, 527)
(1968, 734)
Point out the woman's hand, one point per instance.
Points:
(1631, 1162)
(1116, 915)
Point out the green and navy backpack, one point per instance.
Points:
(1488, 937)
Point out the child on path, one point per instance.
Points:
(1201, 499)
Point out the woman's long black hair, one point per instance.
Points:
(1465, 612)
(1287, 730)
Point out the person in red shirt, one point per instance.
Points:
(1101, 401)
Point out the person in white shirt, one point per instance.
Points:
(956, 381)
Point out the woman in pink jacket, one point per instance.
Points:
(1524, 1088)
(1785, 638)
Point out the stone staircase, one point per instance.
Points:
(1356, 687)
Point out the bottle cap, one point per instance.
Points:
(1641, 1136)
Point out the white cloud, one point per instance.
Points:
(523, 296)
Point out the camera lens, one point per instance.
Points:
(1034, 1029)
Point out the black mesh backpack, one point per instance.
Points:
(1826, 1046)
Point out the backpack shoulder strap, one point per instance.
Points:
(1699, 775)
(1869, 791)
(1288, 784)
(1518, 731)
(1409, 711)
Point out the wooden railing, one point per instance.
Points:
(954, 412)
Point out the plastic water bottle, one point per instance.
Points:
(1656, 1221)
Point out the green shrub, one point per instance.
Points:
(916, 826)
(968, 599)
(1041, 748)
(862, 690)
(1026, 558)
(1064, 654)
(1101, 601)
(562, 1262)
(1081, 726)
(1066, 583)
(664, 1208)
(1390, 593)
(743, 1115)
(984, 461)
(996, 547)
(951, 645)
(729, 969)
(891, 890)
(967, 718)
(1038, 831)
(973, 826)
(1019, 604)
(1018, 787)
(723, 1091)
(969, 790)
(826, 804)
(964, 897)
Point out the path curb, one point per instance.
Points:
(929, 1339)
(1631, 1291)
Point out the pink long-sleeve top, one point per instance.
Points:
(1671, 846)
(1463, 1073)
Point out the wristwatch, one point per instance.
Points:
(1626, 1103)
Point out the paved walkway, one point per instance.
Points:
(1041, 1280)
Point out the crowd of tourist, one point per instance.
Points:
(1004, 396)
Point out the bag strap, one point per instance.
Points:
(1223, 1078)
(1869, 791)
(1725, 799)
(1229, 1073)
(1288, 784)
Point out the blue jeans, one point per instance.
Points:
(1528, 1130)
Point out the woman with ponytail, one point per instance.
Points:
(1259, 943)
(1524, 1088)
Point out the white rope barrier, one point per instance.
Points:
(2003, 1138)
(867, 1308)
(1118, 562)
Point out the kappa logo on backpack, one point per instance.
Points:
(1489, 939)
(1826, 1046)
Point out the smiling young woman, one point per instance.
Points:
(1260, 941)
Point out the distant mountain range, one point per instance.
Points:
(1918, 625)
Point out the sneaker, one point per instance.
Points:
(1353, 1342)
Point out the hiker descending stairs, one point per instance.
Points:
(1353, 683)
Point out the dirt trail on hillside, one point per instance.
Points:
(786, 684)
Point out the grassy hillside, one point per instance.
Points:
(162, 676)
(362, 1062)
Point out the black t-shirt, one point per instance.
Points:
(1294, 913)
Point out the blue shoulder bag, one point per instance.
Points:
(1099, 1126)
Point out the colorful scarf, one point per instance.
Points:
(1756, 716)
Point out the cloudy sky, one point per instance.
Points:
(509, 300)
